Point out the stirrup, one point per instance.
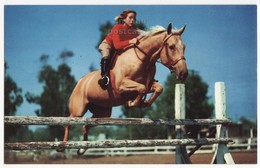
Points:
(107, 80)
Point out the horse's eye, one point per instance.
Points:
(171, 47)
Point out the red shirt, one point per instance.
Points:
(120, 35)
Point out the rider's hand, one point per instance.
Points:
(133, 41)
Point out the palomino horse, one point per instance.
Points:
(132, 77)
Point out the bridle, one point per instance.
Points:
(156, 54)
(173, 63)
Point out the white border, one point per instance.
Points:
(126, 2)
(103, 2)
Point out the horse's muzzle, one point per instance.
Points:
(182, 76)
(180, 72)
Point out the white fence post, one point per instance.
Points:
(222, 153)
(250, 139)
(181, 153)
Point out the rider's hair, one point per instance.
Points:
(120, 19)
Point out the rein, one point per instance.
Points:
(142, 51)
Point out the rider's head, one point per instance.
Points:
(127, 17)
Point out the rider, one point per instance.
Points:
(121, 36)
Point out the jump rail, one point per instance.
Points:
(221, 155)
(25, 120)
(113, 144)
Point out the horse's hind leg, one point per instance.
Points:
(98, 112)
(85, 138)
(65, 139)
(76, 109)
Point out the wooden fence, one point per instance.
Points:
(222, 154)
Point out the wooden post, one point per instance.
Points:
(250, 139)
(222, 154)
(181, 153)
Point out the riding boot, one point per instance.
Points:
(104, 81)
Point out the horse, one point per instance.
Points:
(131, 77)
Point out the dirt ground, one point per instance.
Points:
(239, 158)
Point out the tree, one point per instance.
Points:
(13, 95)
(135, 131)
(197, 102)
(247, 125)
(12, 99)
(104, 31)
(57, 87)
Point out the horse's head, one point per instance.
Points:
(172, 53)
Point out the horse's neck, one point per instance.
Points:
(151, 45)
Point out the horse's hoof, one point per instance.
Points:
(81, 151)
(61, 149)
(130, 104)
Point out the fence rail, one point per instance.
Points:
(111, 144)
(26, 120)
(125, 151)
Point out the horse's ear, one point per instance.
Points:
(169, 28)
(182, 30)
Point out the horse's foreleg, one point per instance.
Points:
(156, 89)
(136, 102)
(130, 86)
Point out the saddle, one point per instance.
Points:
(113, 59)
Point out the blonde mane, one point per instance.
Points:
(154, 30)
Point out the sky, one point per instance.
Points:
(221, 45)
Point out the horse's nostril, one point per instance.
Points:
(182, 76)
